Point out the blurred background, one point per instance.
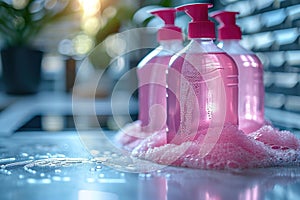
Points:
(51, 143)
(65, 32)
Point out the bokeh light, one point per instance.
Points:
(109, 12)
(66, 47)
(50, 4)
(115, 46)
(36, 6)
(91, 25)
(19, 4)
(90, 7)
(82, 44)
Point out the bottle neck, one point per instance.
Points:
(203, 45)
(172, 46)
(233, 47)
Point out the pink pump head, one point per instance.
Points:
(228, 30)
(169, 31)
(200, 26)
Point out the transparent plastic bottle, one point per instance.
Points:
(251, 87)
(151, 73)
(202, 82)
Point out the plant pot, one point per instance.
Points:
(21, 70)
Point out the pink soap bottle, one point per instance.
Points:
(251, 87)
(151, 73)
(202, 82)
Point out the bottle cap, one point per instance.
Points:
(169, 31)
(228, 29)
(200, 26)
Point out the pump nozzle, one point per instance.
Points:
(200, 26)
(169, 31)
(228, 30)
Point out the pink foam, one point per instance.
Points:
(129, 134)
(276, 139)
(267, 147)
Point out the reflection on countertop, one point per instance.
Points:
(58, 166)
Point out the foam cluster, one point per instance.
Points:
(233, 149)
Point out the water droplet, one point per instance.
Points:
(98, 168)
(5, 171)
(42, 175)
(66, 179)
(92, 169)
(101, 175)
(94, 152)
(5, 160)
(21, 176)
(168, 175)
(46, 181)
(31, 180)
(142, 176)
(29, 170)
(90, 180)
(24, 154)
(56, 178)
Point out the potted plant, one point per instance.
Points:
(20, 23)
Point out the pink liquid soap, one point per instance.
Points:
(251, 92)
(152, 102)
(202, 82)
(195, 97)
(251, 87)
(152, 93)
(151, 73)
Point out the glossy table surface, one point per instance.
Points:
(87, 165)
(36, 165)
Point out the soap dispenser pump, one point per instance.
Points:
(202, 82)
(151, 72)
(251, 87)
